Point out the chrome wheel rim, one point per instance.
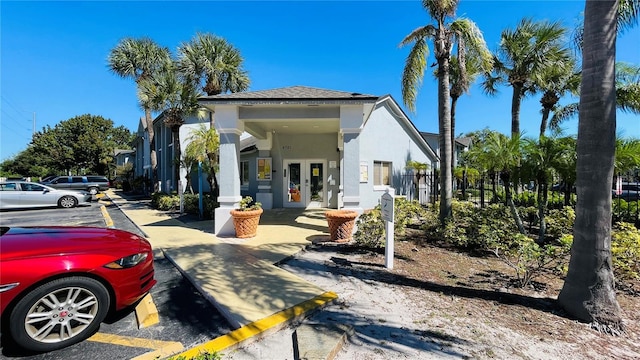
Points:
(67, 202)
(61, 315)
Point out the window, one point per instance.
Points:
(381, 173)
(244, 173)
(8, 187)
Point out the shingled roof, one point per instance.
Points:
(292, 93)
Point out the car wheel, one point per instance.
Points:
(93, 190)
(59, 313)
(67, 201)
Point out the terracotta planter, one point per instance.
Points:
(341, 223)
(246, 222)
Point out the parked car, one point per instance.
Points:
(59, 283)
(91, 183)
(24, 194)
(630, 191)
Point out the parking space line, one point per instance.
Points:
(107, 219)
(159, 347)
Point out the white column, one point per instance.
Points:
(351, 120)
(265, 191)
(229, 128)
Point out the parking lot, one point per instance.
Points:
(185, 317)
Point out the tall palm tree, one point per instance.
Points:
(466, 35)
(555, 82)
(461, 79)
(627, 81)
(176, 99)
(139, 59)
(524, 52)
(588, 292)
(216, 66)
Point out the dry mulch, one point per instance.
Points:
(473, 289)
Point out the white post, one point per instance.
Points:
(387, 209)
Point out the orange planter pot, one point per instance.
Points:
(341, 223)
(246, 222)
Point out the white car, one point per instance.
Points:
(24, 194)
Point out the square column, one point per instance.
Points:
(229, 128)
(351, 121)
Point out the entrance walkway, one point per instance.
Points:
(239, 276)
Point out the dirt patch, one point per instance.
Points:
(441, 304)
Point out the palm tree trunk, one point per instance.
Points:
(589, 289)
(152, 150)
(545, 119)
(542, 209)
(444, 122)
(506, 178)
(515, 109)
(454, 102)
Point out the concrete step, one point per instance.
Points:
(320, 341)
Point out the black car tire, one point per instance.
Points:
(89, 302)
(93, 190)
(67, 201)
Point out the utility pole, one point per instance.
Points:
(34, 123)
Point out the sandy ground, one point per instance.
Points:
(394, 316)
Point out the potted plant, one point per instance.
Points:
(341, 223)
(246, 217)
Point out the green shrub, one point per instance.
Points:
(626, 211)
(370, 231)
(625, 251)
(528, 259)
(370, 226)
(560, 222)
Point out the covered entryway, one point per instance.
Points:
(305, 183)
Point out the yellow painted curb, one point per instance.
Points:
(161, 348)
(107, 219)
(147, 312)
(273, 322)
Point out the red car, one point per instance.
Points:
(57, 284)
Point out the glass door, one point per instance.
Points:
(294, 181)
(304, 183)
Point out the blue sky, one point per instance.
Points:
(53, 59)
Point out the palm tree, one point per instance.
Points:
(461, 79)
(555, 82)
(627, 95)
(565, 166)
(524, 53)
(466, 35)
(140, 59)
(176, 99)
(203, 145)
(502, 154)
(588, 292)
(215, 65)
(542, 157)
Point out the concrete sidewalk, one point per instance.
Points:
(239, 276)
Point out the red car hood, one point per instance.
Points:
(30, 242)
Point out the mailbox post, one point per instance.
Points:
(386, 204)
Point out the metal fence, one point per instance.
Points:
(423, 186)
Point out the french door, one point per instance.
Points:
(305, 183)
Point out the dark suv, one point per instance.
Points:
(90, 183)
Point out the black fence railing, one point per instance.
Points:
(424, 187)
